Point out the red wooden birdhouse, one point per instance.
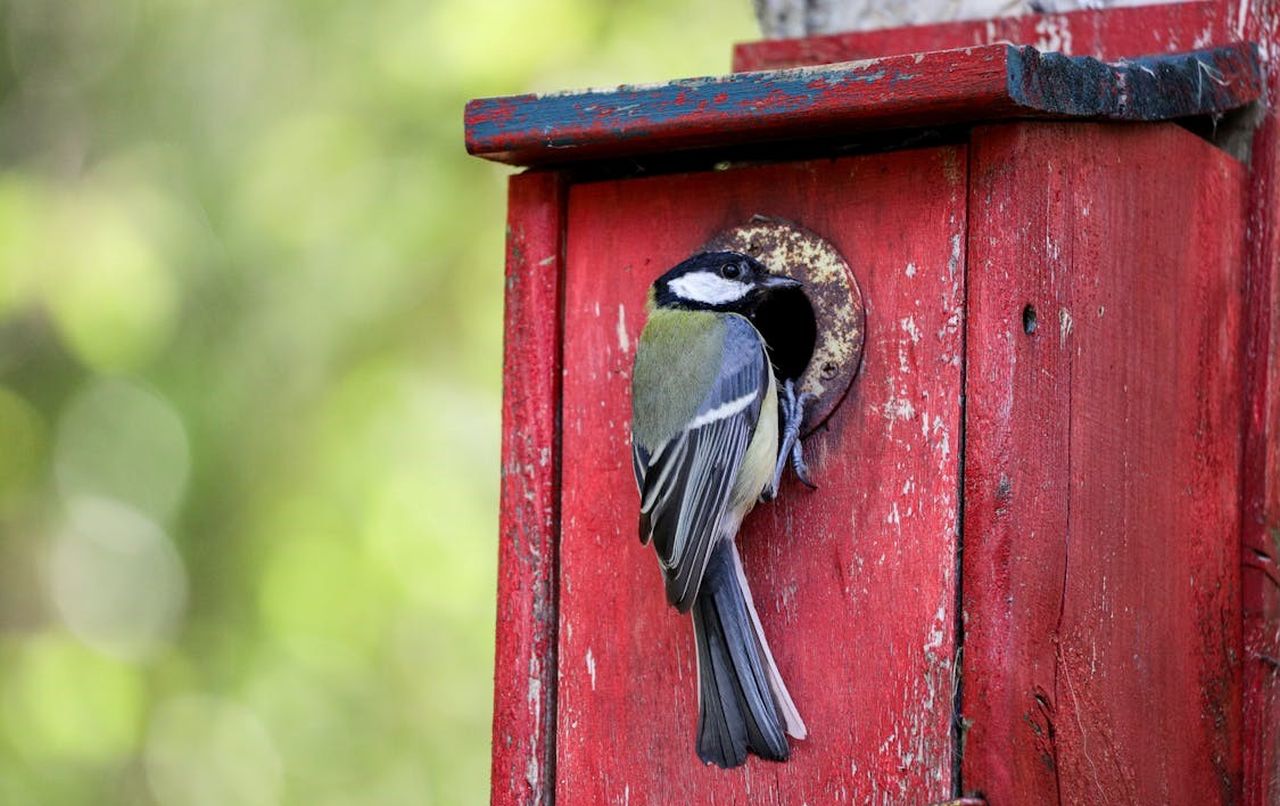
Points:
(1040, 317)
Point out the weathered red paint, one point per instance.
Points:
(1111, 34)
(1260, 521)
(1102, 454)
(855, 583)
(987, 83)
(525, 656)
(1117, 33)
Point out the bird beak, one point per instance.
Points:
(775, 281)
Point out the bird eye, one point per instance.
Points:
(730, 271)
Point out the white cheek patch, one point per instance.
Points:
(709, 288)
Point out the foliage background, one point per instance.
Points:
(250, 308)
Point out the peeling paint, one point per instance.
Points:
(909, 327)
(953, 261)
(624, 341)
(898, 409)
(1055, 34)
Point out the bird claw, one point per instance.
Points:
(797, 448)
(790, 449)
(800, 466)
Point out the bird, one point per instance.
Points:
(705, 449)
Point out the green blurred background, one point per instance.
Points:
(250, 356)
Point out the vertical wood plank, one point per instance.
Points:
(1101, 557)
(524, 662)
(1259, 21)
(855, 582)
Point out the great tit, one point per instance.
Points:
(704, 429)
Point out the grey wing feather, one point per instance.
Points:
(686, 482)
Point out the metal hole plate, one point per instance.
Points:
(838, 308)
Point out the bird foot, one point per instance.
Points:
(790, 448)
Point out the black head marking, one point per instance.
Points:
(717, 281)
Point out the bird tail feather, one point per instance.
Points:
(743, 704)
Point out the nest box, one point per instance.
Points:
(1026, 324)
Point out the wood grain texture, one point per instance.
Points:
(855, 582)
(1108, 34)
(525, 657)
(991, 82)
(1101, 559)
(1260, 20)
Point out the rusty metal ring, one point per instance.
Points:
(833, 293)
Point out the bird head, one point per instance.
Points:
(718, 281)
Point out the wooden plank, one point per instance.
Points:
(1101, 560)
(1260, 533)
(925, 89)
(855, 582)
(1103, 34)
(524, 662)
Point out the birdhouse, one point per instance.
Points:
(1036, 320)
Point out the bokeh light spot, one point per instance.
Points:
(315, 581)
(22, 212)
(120, 440)
(116, 579)
(207, 751)
(327, 711)
(108, 288)
(65, 702)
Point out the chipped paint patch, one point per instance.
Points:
(953, 260)
(1054, 34)
(591, 668)
(909, 327)
(624, 341)
(898, 408)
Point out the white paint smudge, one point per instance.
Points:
(944, 443)
(624, 341)
(953, 262)
(591, 668)
(1055, 34)
(911, 269)
(910, 328)
(898, 408)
